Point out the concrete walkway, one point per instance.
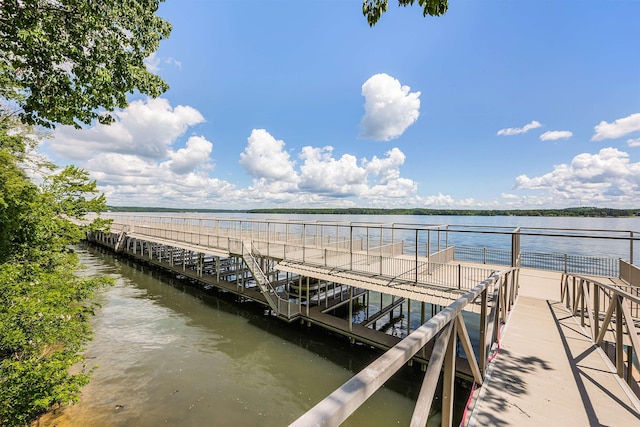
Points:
(547, 371)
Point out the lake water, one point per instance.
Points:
(167, 353)
(502, 225)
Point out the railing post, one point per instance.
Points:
(449, 376)
(631, 247)
(619, 337)
(351, 246)
(393, 236)
(416, 250)
(367, 241)
(515, 247)
(446, 237)
(582, 297)
(482, 356)
(268, 238)
(596, 310)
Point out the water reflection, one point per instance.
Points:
(167, 353)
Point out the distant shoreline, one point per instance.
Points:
(567, 212)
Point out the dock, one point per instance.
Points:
(548, 371)
(554, 337)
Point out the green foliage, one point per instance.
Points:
(44, 306)
(17, 193)
(69, 61)
(44, 315)
(373, 9)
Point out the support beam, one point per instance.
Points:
(430, 381)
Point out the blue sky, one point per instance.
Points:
(289, 103)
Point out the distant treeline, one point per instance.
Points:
(574, 212)
(158, 209)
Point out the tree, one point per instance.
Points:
(61, 62)
(373, 9)
(72, 61)
(44, 306)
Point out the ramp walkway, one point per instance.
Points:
(547, 371)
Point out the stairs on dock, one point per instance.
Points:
(277, 300)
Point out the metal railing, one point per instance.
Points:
(446, 328)
(483, 255)
(282, 306)
(566, 263)
(285, 239)
(417, 270)
(606, 311)
(331, 247)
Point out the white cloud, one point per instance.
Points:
(182, 177)
(618, 128)
(146, 128)
(321, 173)
(388, 168)
(515, 131)
(321, 179)
(509, 196)
(606, 177)
(119, 169)
(174, 62)
(439, 200)
(134, 181)
(398, 188)
(633, 142)
(264, 157)
(195, 154)
(554, 135)
(390, 108)
(371, 180)
(152, 62)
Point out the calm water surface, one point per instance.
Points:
(169, 354)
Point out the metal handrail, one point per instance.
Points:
(264, 283)
(588, 298)
(449, 324)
